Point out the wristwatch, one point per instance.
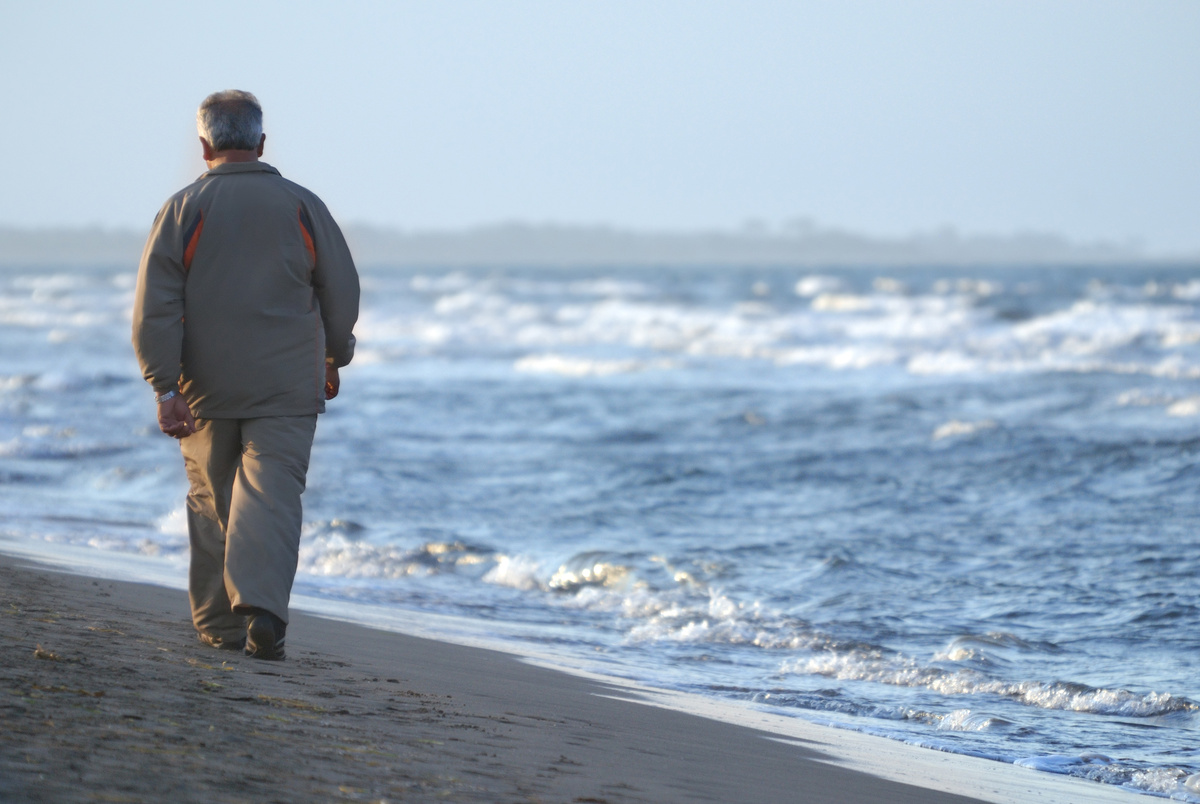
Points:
(160, 398)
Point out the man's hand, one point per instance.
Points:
(175, 419)
(332, 382)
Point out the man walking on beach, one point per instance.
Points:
(245, 305)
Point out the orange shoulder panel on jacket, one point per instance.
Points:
(306, 230)
(192, 238)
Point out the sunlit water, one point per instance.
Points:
(955, 507)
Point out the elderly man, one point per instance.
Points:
(245, 305)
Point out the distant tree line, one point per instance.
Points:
(518, 244)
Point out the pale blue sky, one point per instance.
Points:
(883, 117)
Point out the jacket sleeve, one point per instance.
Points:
(158, 303)
(335, 283)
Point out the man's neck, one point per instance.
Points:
(231, 155)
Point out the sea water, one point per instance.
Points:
(956, 507)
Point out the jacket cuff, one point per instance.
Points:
(342, 357)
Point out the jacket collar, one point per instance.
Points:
(239, 167)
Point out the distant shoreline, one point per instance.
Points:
(551, 245)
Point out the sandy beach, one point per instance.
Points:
(105, 695)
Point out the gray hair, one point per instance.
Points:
(230, 120)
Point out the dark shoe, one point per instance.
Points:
(220, 644)
(264, 636)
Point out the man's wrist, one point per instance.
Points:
(160, 398)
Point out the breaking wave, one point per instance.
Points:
(947, 327)
(902, 672)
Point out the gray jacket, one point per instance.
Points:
(245, 286)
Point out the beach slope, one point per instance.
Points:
(105, 695)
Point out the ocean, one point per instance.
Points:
(951, 506)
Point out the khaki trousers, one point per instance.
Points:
(244, 515)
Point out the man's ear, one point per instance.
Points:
(261, 142)
(209, 153)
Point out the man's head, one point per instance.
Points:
(230, 121)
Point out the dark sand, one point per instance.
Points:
(105, 695)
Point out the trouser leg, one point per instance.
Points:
(263, 530)
(211, 456)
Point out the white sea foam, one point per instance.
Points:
(12, 382)
(966, 720)
(1160, 780)
(515, 572)
(844, 303)
(332, 552)
(1185, 407)
(887, 284)
(48, 285)
(955, 428)
(944, 362)
(754, 309)
(838, 357)
(1189, 291)
(967, 286)
(693, 630)
(903, 672)
(33, 318)
(605, 287)
(817, 284)
(944, 331)
(1142, 398)
(689, 613)
(589, 569)
(583, 367)
(1059, 763)
(174, 524)
(1088, 326)
(441, 284)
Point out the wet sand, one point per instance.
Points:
(106, 695)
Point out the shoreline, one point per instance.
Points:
(109, 696)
